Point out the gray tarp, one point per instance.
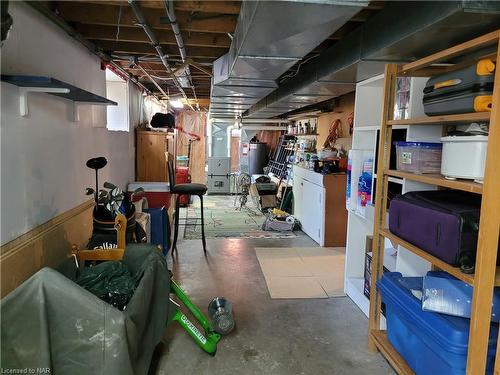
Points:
(51, 322)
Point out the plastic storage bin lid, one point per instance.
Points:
(465, 138)
(418, 144)
(450, 332)
(152, 187)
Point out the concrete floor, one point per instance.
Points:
(319, 336)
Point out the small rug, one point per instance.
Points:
(223, 220)
(303, 272)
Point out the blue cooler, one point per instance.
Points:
(431, 343)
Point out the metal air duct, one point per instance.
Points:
(403, 31)
(270, 37)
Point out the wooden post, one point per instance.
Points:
(487, 246)
(380, 201)
(121, 228)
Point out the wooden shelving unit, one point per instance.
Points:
(438, 180)
(448, 119)
(487, 274)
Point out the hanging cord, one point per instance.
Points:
(119, 19)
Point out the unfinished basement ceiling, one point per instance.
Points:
(110, 29)
(271, 39)
(363, 52)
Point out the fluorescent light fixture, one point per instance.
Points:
(176, 104)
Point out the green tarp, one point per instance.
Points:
(51, 322)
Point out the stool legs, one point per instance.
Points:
(203, 226)
(176, 225)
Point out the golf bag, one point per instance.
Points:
(104, 232)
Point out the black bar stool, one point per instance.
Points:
(185, 189)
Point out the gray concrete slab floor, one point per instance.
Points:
(301, 336)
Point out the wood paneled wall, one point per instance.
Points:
(342, 112)
(196, 123)
(47, 245)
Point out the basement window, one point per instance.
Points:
(117, 89)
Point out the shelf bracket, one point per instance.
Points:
(23, 96)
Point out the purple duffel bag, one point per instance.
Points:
(444, 223)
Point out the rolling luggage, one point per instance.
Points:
(442, 222)
(462, 91)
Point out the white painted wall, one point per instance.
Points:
(43, 156)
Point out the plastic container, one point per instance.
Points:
(182, 161)
(431, 343)
(464, 157)
(448, 295)
(157, 193)
(418, 157)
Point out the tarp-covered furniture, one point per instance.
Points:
(51, 322)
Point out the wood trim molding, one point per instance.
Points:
(41, 230)
(47, 245)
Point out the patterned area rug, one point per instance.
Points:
(223, 220)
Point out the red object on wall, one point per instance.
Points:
(182, 176)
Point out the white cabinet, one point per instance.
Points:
(312, 210)
(319, 205)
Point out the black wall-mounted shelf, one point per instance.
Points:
(55, 87)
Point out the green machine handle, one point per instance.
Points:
(207, 342)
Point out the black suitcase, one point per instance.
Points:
(462, 91)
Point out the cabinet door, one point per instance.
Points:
(313, 211)
(298, 187)
(151, 162)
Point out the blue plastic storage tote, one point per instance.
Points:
(160, 227)
(431, 343)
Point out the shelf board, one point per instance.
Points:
(445, 119)
(396, 180)
(367, 128)
(305, 135)
(438, 180)
(396, 361)
(72, 93)
(455, 271)
(490, 39)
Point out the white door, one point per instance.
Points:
(312, 210)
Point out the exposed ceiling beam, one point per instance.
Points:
(134, 34)
(225, 7)
(171, 51)
(109, 15)
(161, 73)
(206, 62)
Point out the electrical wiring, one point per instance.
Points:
(119, 19)
(290, 75)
